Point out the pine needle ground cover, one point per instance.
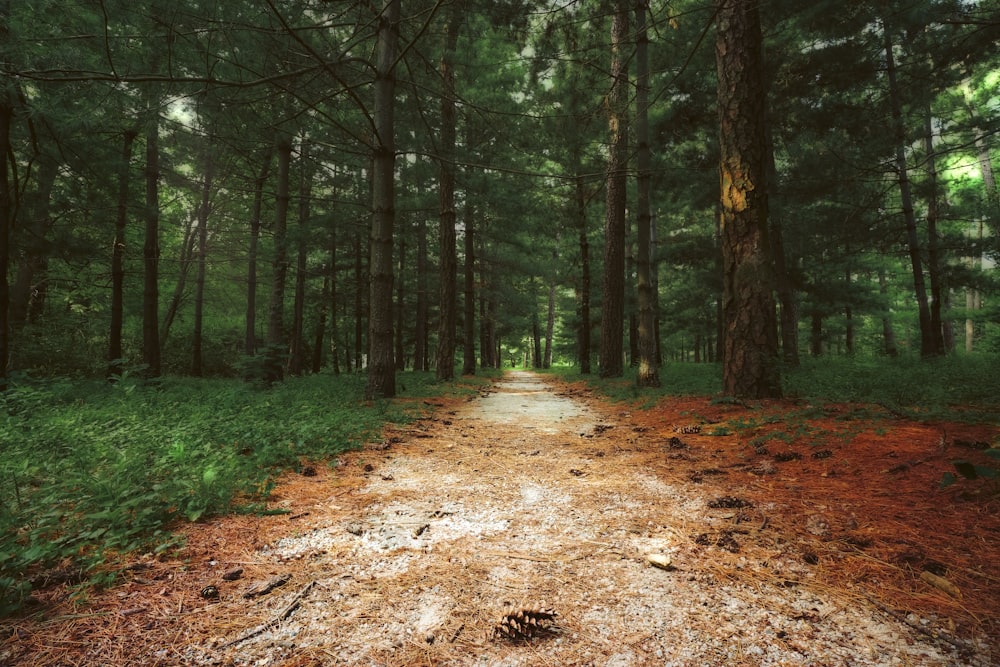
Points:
(90, 471)
(435, 542)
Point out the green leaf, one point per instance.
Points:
(993, 453)
(947, 480)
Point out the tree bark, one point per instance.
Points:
(197, 363)
(297, 354)
(888, 332)
(273, 369)
(469, 300)
(927, 345)
(184, 261)
(750, 368)
(6, 201)
(420, 343)
(250, 332)
(381, 364)
(648, 374)
(334, 295)
(933, 253)
(27, 298)
(151, 246)
(359, 313)
(583, 296)
(613, 305)
(400, 309)
(118, 258)
(445, 363)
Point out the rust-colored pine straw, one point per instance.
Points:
(866, 518)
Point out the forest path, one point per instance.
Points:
(533, 494)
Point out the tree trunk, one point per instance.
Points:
(613, 305)
(197, 363)
(381, 365)
(536, 341)
(583, 297)
(319, 331)
(784, 287)
(469, 300)
(6, 205)
(297, 354)
(420, 343)
(273, 371)
(445, 363)
(888, 333)
(927, 344)
(400, 309)
(648, 374)
(115, 359)
(334, 329)
(933, 254)
(816, 333)
(188, 244)
(749, 359)
(27, 298)
(250, 332)
(151, 246)
(550, 324)
(359, 313)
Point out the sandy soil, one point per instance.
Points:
(533, 496)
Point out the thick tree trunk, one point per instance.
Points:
(118, 258)
(648, 374)
(273, 371)
(250, 331)
(469, 300)
(613, 305)
(927, 338)
(445, 362)
(151, 246)
(381, 364)
(750, 368)
(197, 363)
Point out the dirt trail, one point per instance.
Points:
(412, 551)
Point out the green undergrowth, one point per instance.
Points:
(955, 388)
(90, 470)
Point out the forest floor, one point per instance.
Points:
(795, 535)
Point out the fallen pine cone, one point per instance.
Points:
(521, 624)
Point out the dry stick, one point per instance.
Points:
(282, 615)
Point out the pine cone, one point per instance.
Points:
(524, 623)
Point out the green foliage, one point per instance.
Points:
(956, 387)
(91, 469)
(972, 471)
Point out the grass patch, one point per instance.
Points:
(91, 469)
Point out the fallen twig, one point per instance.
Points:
(282, 615)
